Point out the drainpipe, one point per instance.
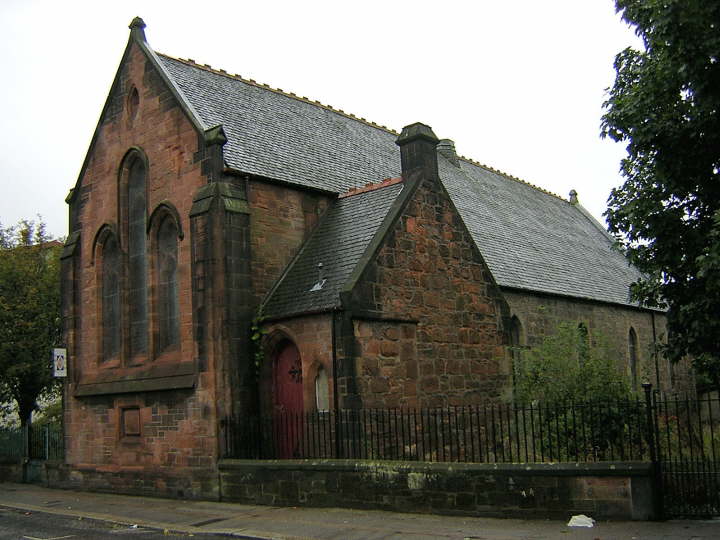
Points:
(336, 399)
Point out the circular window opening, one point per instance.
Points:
(133, 103)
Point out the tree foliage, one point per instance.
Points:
(30, 323)
(568, 367)
(665, 104)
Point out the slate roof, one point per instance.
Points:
(278, 136)
(530, 239)
(536, 241)
(340, 240)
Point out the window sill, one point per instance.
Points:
(149, 379)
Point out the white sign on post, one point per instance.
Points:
(59, 362)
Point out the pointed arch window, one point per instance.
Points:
(632, 356)
(137, 258)
(515, 344)
(141, 289)
(583, 343)
(322, 394)
(110, 294)
(168, 311)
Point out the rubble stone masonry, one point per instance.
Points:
(440, 341)
(540, 315)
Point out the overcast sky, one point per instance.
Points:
(518, 85)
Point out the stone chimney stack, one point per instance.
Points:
(418, 155)
(446, 148)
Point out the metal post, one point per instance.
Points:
(336, 397)
(656, 472)
(655, 354)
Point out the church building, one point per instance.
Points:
(235, 250)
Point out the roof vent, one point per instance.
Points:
(573, 197)
(321, 279)
(446, 147)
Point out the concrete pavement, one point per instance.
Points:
(267, 522)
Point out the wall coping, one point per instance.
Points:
(615, 468)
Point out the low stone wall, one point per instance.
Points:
(11, 470)
(32, 471)
(602, 490)
(178, 482)
(557, 490)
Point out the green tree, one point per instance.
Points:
(30, 323)
(665, 104)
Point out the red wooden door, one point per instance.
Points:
(288, 401)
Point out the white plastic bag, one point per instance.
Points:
(581, 521)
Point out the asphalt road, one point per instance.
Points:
(22, 525)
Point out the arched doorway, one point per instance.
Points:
(287, 400)
(287, 379)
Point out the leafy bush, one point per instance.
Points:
(585, 406)
(569, 367)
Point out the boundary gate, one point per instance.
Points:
(687, 448)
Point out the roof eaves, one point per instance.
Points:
(221, 72)
(300, 313)
(628, 304)
(476, 247)
(252, 176)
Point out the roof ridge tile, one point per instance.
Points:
(371, 187)
(222, 72)
(293, 95)
(511, 177)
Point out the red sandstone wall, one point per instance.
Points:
(428, 271)
(169, 141)
(313, 338)
(178, 427)
(281, 219)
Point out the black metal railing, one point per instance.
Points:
(492, 433)
(12, 444)
(688, 439)
(33, 442)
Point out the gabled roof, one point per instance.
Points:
(276, 135)
(536, 241)
(339, 243)
(531, 239)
